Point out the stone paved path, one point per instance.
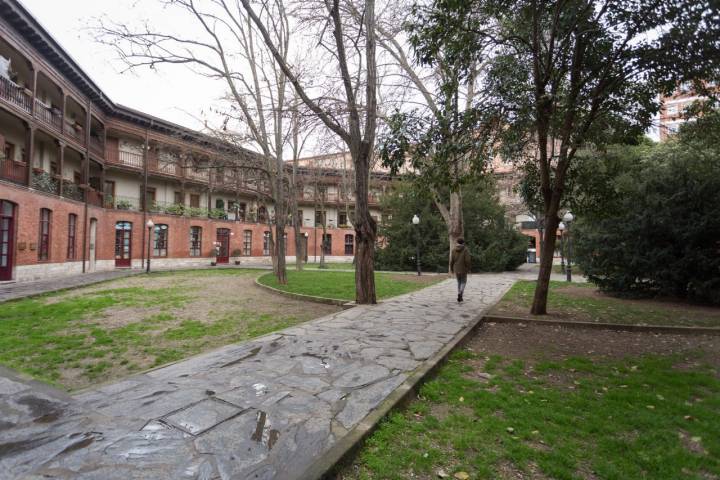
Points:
(264, 409)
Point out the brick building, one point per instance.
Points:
(672, 112)
(80, 176)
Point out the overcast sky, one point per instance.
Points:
(173, 94)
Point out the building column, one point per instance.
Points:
(64, 111)
(34, 89)
(61, 165)
(29, 151)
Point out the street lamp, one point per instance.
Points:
(416, 222)
(561, 227)
(150, 224)
(568, 218)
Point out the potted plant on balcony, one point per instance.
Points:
(123, 205)
(236, 254)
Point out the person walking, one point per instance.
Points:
(460, 266)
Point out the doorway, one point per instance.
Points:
(123, 244)
(93, 237)
(223, 238)
(7, 239)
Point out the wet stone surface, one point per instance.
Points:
(263, 409)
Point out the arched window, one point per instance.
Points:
(247, 243)
(262, 214)
(349, 244)
(44, 240)
(327, 244)
(195, 241)
(160, 244)
(72, 228)
(266, 243)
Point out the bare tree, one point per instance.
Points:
(223, 43)
(351, 50)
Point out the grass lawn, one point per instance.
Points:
(515, 405)
(583, 302)
(330, 266)
(100, 332)
(341, 285)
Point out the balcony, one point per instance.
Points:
(72, 190)
(75, 131)
(13, 171)
(97, 145)
(48, 115)
(130, 159)
(195, 174)
(155, 164)
(15, 94)
(45, 182)
(95, 198)
(122, 203)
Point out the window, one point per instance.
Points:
(150, 197)
(160, 243)
(266, 243)
(44, 243)
(220, 204)
(77, 177)
(320, 216)
(247, 243)
(194, 200)
(349, 244)
(327, 244)
(262, 215)
(195, 241)
(72, 226)
(54, 168)
(178, 198)
(342, 219)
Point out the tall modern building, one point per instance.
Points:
(81, 176)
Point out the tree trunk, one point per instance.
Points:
(456, 226)
(281, 272)
(539, 306)
(296, 224)
(365, 230)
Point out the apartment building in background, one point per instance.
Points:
(674, 107)
(80, 176)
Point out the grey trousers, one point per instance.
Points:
(461, 281)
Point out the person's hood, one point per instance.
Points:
(459, 248)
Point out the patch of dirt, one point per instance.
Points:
(680, 313)
(508, 471)
(205, 298)
(692, 444)
(443, 410)
(533, 343)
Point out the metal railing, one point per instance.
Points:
(45, 182)
(13, 171)
(15, 94)
(123, 203)
(72, 190)
(50, 116)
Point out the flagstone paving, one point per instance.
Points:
(263, 409)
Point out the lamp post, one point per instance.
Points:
(561, 227)
(567, 219)
(150, 224)
(416, 222)
(305, 253)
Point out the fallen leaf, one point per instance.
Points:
(462, 399)
(660, 397)
(425, 455)
(462, 476)
(442, 473)
(651, 407)
(510, 429)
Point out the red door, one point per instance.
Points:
(223, 238)
(123, 244)
(7, 239)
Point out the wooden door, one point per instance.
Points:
(223, 238)
(123, 244)
(7, 239)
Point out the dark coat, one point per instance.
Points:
(460, 260)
